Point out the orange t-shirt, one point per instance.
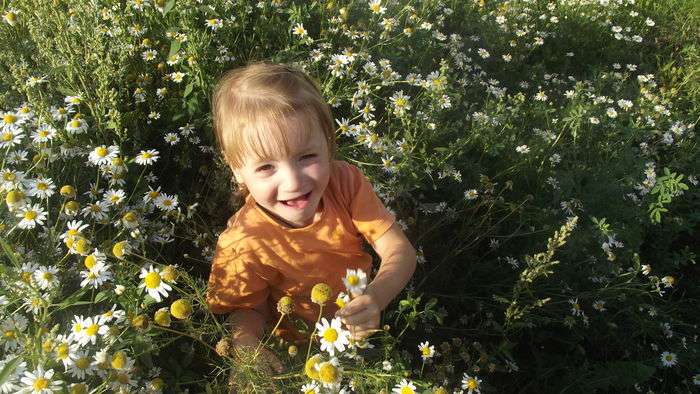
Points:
(258, 259)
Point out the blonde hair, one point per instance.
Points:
(251, 108)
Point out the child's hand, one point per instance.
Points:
(361, 316)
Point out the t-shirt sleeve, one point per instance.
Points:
(368, 213)
(237, 280)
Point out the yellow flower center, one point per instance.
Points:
(72, 233)
(426, 351)
(167, 202)
(114, 198)
(153, 194)
(122, 378)
(407, 390)
(47, 276)
(181, 309)
(42, 186)
(7, 136)
(152, 280)
(9, 334)
(26, 277)
(118, 249)
(77, 327)
(82, 246)
(375, 7)
(9, 176)
(129, 217)
(43, 133)
(669, 357)
(330, 335)
(13, 197)
(401, 102)
(9, 118)
(353, 280)
(92, 330)
(310, 367)
(90, 261)
(82, 363)
(24, 110)
(75, 123)
(62, 351)
(40, 384)
(101, 151)
(327, 373)
(472, 384)
(119, 360)
(30, 215)
(11, 16)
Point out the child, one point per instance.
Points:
(304, 215)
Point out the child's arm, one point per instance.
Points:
(398, 263)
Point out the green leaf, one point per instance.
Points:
(168, 7)
(9, 369)
(9, 252)
(620, 374)
(174, 47)
(188, 89)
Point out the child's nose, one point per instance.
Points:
(292, 179)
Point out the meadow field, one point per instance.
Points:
(541, 156)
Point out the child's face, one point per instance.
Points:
(290, 188)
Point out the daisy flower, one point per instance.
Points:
(310, 388)
(115, 314)
(342, 300)
(60, 113)
(41, 187)
(330, 373)
(103, 155)
(669, 359)
(114, 197)
(471, 384)
(668, 281)
(82, 366)
(149, 55)
(40, 381)
(97, 210)
(75, 229)
(404, 387)
(65, 350)
(177, 76)
(427, 350)
(611, 112)
(146, 157)
(355, 282)
(332, 336)
(299, 30)
(25, 112)
(15, 199)
(43, 133)
(11, 328)
(46, 277)
(214, 24)
(10, 17)
(522, 149)
(72, 101)
(76, 126)
(34, 80)
(31, 216)
(151, 194)
(129, 220)
(155, 285)
(96, 275)
(172, 138)
(376, 7)
(11, 137)
(10, 121)
(696, 379)
(471, 194)
(401, 103)
(165, 202)
(91, 328)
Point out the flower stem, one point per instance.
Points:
(308, 350)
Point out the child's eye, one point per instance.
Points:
(309, 156)
(266, 167)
